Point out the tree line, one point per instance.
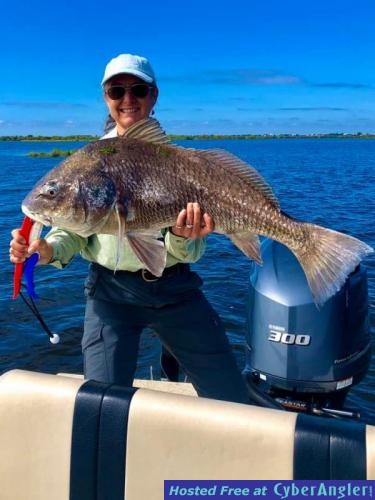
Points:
(191, 137)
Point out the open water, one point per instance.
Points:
(328, 182)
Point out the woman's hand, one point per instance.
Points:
(192, 224)
(19, 250)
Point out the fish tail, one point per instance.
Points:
(328, 258)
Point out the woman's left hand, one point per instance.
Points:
(192, 224)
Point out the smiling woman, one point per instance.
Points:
(129, 100)
(130, 97)
(165, 297)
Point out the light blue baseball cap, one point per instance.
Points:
(131, 65)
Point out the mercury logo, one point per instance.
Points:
(278, 334)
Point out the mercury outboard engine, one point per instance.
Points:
(305, 357)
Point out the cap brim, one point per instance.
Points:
(139, 74)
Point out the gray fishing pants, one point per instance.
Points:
(119, 306)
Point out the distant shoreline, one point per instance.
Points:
(187, 137)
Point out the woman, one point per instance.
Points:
(120, 305)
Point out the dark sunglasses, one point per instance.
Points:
(140, 90)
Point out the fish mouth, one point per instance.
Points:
(43, 219)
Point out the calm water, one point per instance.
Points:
(328, 182)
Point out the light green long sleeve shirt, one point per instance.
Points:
(101, 248)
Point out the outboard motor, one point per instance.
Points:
(305, 357)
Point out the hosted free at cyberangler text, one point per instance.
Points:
(268, 489)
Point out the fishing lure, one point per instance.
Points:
(31, 231)
(25, 230)
(28, 271)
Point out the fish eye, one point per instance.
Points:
(50, 189)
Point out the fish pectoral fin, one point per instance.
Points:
(149, 250)
(248, 243)
(120, 234)
(148, 130)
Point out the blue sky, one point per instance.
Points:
(223, 67)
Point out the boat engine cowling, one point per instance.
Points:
(299, 353)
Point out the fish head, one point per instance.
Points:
(77, 196)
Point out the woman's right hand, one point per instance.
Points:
(20, 250)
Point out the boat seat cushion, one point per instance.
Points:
(83, 440)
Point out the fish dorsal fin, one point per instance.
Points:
(148, 130)
(245, 172)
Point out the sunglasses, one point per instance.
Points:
(140, 90)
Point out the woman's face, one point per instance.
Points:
(129, 109)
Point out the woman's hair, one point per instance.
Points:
(109, 124)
